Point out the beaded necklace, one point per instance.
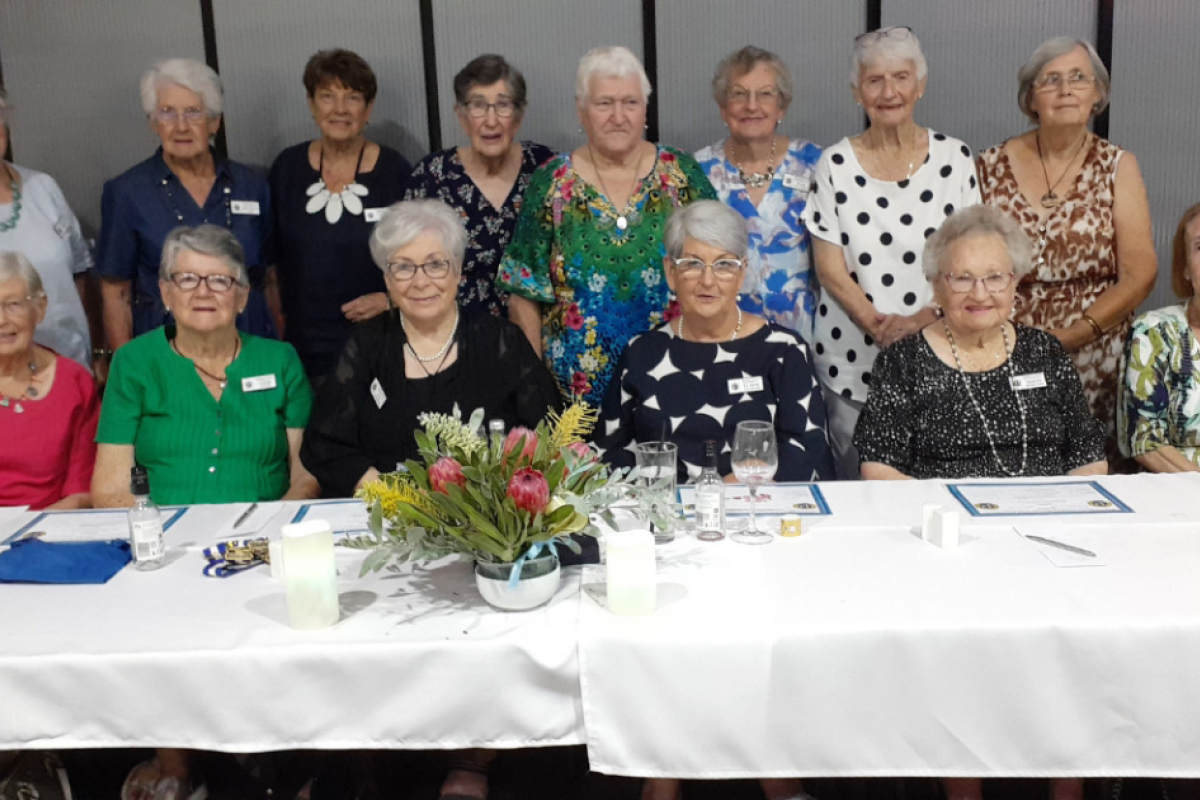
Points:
(226, 191)
(736, 331)
(15, 217)
(29, 393)
(440, 354)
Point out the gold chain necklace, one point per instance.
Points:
(622, 219)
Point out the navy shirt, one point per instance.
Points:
(141, 206)
(321, 266)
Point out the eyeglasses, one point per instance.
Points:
(996, 282)
(407, 270)
(1054, 81)
(478, 108)
(725, 269)
(170, 116)
(18, 308)
(190, 281)
(765, 97)
(897, 31)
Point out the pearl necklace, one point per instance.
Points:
(439, 353)
(737, 330)
(979, 409)
(756, 180)
(30, 392)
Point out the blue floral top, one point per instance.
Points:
(780, 284)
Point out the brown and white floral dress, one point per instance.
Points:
(1074, 262)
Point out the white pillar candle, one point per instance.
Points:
(310, 574)
(632, 582)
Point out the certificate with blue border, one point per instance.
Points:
(344, 516)
(86, 526)
(1013, 499)
(792, 499)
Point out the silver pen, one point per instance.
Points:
(245, 515)
(1070, 548)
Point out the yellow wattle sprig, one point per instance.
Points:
(573, 425)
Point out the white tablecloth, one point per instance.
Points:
(859, 650)
(174, 658)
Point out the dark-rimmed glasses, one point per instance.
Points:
(190, 281)
(478, 108)
(407, 270)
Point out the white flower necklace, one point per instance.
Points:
(334, 202)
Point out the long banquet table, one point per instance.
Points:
(854, 650)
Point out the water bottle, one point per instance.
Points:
(145, 523)
(710, 498)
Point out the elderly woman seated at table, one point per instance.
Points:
(678, 381)
(214, 415)
(427, 355)
(48, 403)
(1158, 418)
(975, 395)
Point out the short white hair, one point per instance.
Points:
(1046, 52)
(893, 44)
(207, 240)
(708, 221)
(403, 222)
(978, 220)
(192, 75)
(609, 62)
(15, 266)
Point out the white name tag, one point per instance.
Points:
(259, 383)
(794, 182)
(745, 385)
(1034, 380)
(377, 393)
(248, 207)
(373, 214)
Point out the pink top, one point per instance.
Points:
(48, 450)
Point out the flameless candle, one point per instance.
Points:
(632, 583)
(310, 574)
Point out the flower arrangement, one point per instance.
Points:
(491, 499)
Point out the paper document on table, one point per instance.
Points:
(1035, 499)
(1065, 545)
(11, 518)
(773, 498)
(254, 517)
(344, 516)
(85, 526)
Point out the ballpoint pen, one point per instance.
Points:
(245, 515)
(1062, 545)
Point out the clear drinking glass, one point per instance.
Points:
(656, 470)
(755, 459)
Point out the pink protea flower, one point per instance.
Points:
(444, 472)
(529, 490)
(522, 438)
(582, 450)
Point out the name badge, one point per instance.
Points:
(259, 383)
(794, 182)
(247, 207)
(377, 393)
(1034, 380)
(373, 214)
(745, 385)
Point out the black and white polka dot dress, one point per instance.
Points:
(881, 227)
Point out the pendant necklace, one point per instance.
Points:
(30, 392)
(736, 331)
(333, 203)
(221, 381)
(1050, 199)
(881, 168)
(979, 409)
(622, 219)
(15, 217)
(756, 180)
(423, 360)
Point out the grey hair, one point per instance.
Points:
(887, 44)
(403, 222)
(207, 240)
(609, 62)
(708, 221)
(743, 61)
(1046, 52)
(979, 220)
(15, 266)
(188, 73)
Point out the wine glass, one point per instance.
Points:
(755, 459)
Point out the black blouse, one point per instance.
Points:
(350, 431)
(920, 420)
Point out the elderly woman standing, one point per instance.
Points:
(974, 395)
(328, 193)
(878, 196)
(36, 221)
(214, 415)
(767, 178)
(585, 265)
(183, 183)
(1082, 200)
(1158, 417)
(426, 356)
(485, 180)
(48, 403)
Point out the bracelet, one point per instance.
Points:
(100, 352)
(1095, 325)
